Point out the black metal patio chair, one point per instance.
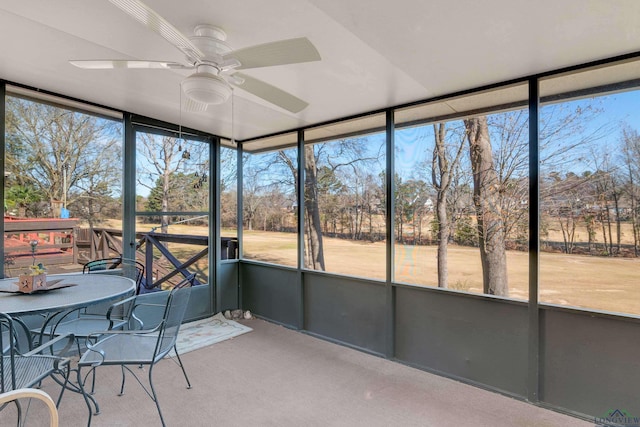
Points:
(99, 317)
(127, 348)
(20, 369)
(131, 268)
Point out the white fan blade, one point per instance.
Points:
(271, 93)
(112, 64)
(291, 51)
(150, 19)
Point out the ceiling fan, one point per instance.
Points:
(214, 61)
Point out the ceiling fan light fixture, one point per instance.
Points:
(206, 88)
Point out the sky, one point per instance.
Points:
(414, 145)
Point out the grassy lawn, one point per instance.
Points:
(601, 283)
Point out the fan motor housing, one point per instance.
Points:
(206, 88)
(211, 41)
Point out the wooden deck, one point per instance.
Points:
(62, 246)
(55, 239)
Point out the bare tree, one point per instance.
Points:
(608, 191)
(511, 155)
(631, 161)
(442, 168)
(323, 162)
(228, 188)
(160, 159)
(486, 188)
(569, 204)
(253, 189)
(64, 155)
(314, 246)
(566, 135)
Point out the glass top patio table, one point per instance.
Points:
(89, 289)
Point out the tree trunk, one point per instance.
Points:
(443, 240)
(441, 171)
(609, 229)
(634, 217)
(616, 205)
(490, 225)
(591, 230)
(164, 220)
(604, 235)
(315, 255)
(440, 181)
(419, 240)
(371, 224)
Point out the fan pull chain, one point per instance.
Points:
(185, 154)
(180, 121)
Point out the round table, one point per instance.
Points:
(88, 289)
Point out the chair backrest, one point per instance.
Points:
(173, 316)
(8, 344)
(133, 269)
(102, 264)
(32, 393)
(130, 267)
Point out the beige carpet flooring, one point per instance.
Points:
(278, 377)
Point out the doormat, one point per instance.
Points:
(204, 332)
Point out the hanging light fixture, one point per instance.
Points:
(207, 86)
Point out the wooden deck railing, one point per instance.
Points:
(55, 241)
(61, 241)
(161, 271)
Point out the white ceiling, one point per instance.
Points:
(374, 53)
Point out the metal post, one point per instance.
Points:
(3, 102)
(129, 193)
(533, 384)
(239, 218)
(390, 252)
(300, 193)
(215, 297)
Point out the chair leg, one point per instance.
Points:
(123, 378)
(88, 399)
(64, 385)
(84, 395)
(93, 375)
(78, 347)
(93, 382)
(154, 396)
(182, 367)
(19, 408)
